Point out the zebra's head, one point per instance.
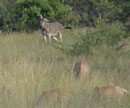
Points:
(43, 19)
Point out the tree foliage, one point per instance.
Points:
(24, 14)
(17, 15)
(90, 10)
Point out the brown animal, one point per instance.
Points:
(54, 96)
(81, 69)
(109, 92)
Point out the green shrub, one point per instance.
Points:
(104, 34)
(111, 34)
(73, 19)
(24, 14)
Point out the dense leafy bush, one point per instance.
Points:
(90, 10)
(109, 35)
(29, 11)
(16, 15)
(6, 17)
(24, 14)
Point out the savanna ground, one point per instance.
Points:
(29, 66)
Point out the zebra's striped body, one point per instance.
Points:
(51, 29)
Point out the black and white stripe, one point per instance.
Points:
(51, 29)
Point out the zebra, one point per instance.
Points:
(51, 29)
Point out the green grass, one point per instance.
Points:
(29, 66)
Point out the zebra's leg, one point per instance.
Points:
(44, 34)
(55, 38)
(45, 38)
(60, 35)
(49, 37)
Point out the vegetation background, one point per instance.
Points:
(17, 15)
(29, 66)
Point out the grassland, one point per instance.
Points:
(29, 66)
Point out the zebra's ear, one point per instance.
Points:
(41, 16)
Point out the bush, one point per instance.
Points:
(73, 19)
(6, 20)
(104, 34)
(24, 14)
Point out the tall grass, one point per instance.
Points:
(29, 66)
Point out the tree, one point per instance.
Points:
(28, 12)
(90, 10)
(24, 14)
(6, 15)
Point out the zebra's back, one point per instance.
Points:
(54, 28)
